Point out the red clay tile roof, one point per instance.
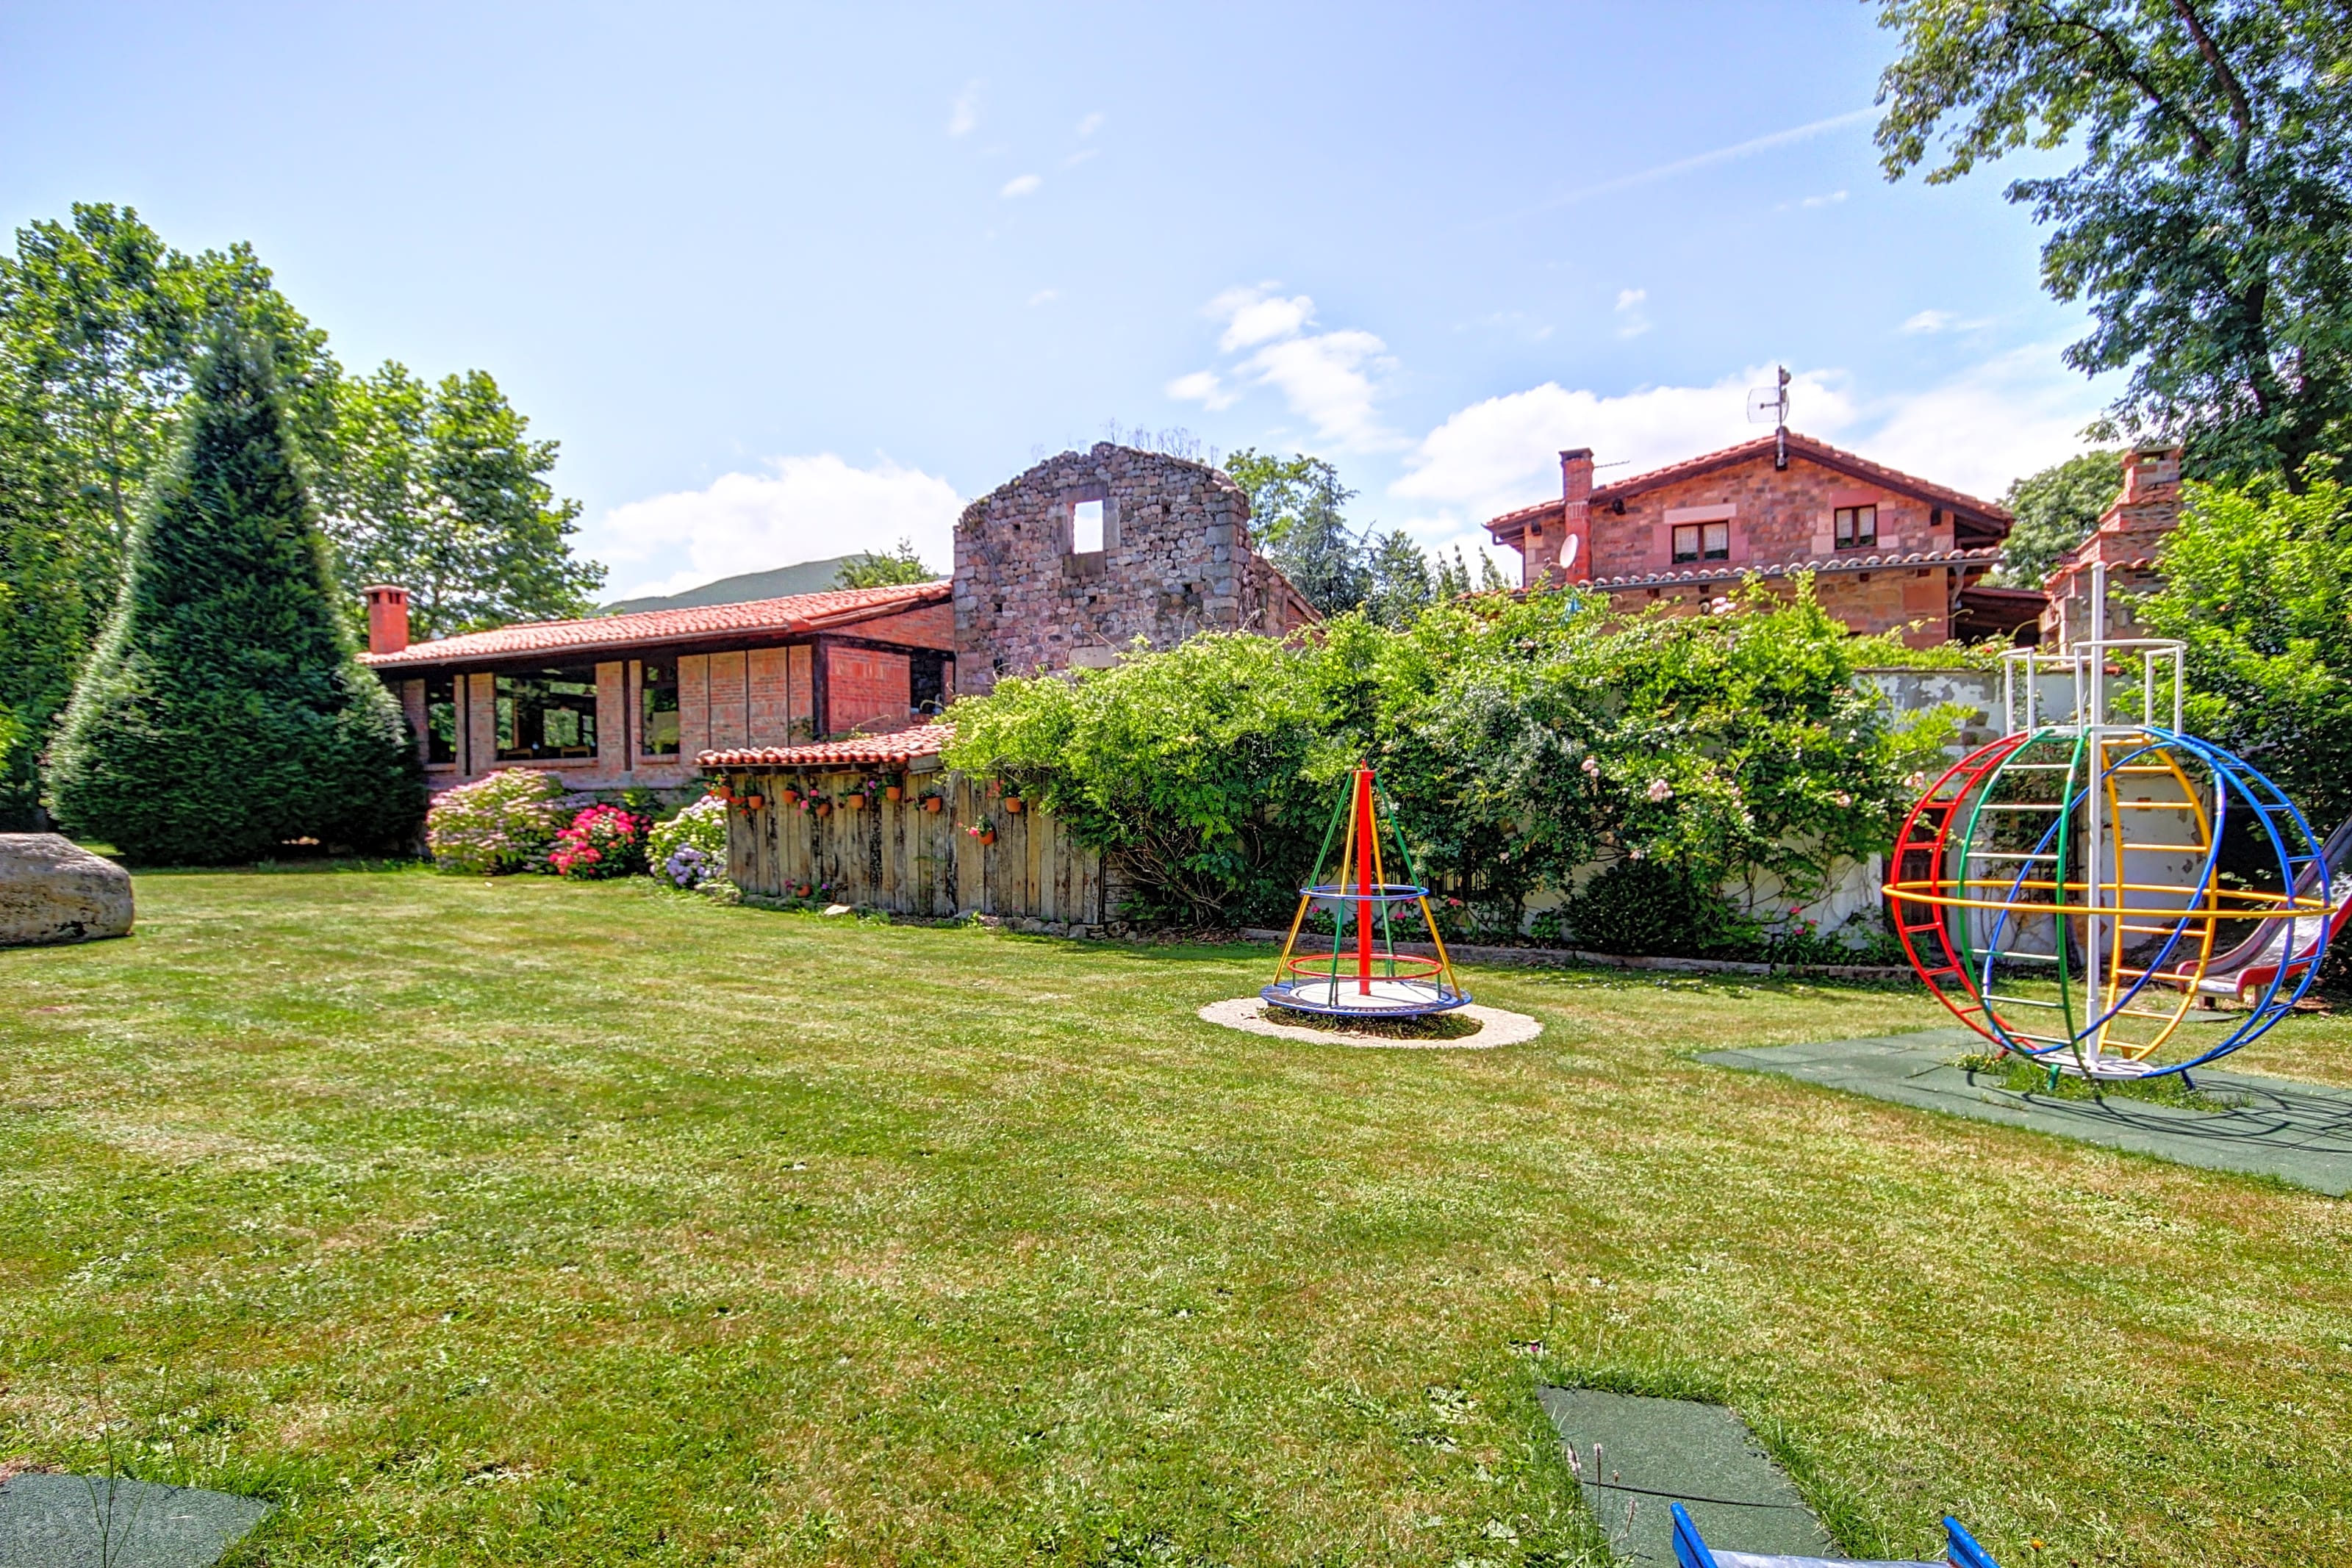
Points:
(1982, 555)
(653, 628)
(859, 751)
(1805, 446)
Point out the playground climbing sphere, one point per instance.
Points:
(2083, 889)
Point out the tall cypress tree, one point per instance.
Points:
(224, 712)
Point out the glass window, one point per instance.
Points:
(657, 710)
(441, 717)
(1702, 541)
(548, 715)
(1856, 527)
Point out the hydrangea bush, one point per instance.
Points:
(600, 841)
(506, 822)
(691, 849)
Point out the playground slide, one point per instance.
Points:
(2256, 962)
(1690, 1552)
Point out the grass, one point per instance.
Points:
(522, 1221)
(2050, 1081)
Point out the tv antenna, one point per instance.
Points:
(1769, 406)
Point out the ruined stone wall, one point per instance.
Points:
(1176, 560)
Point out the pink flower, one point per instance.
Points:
(1592, 768)
(1660, 790)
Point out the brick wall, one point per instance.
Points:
(1176, 560)
(1775, 516)
(865, 688)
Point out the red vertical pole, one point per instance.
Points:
(1363, 882)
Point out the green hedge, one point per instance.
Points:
(1517, 738)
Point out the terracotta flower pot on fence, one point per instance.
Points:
(789, 797)
(893, 792)
(824, 808)
(754, 803)
(934, 805)
(989, 837)
(856, 802)
(1012, 805)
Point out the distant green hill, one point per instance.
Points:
(808, 577)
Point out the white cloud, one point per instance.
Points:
(1326, 379)
(1045, 297)
(1993, 423)
(1930, 321)
(1090, 124)
(1631, 319)
(1257, 314)
(1504, 453)
(1329, 379)
(1832, 200)
(1021, 185)
(1080, 156)
(1202, 387)
(963, 115)
(806, 509)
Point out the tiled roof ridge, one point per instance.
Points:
(897, 745)
(1727, 572)
(1805, 445)
(826, 607)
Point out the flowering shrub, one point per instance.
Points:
(502, 824)
(691, 849)
(603, 841)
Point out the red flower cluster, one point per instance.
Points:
(603, 841)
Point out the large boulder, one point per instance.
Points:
(52, 889)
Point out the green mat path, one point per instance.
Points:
(2298, 1133)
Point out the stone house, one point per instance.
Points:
(1067, 564)
(616, 702)
(1888, 551)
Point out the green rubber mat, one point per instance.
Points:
(67, 1522)
(1637, 1455)
(2298, 1133)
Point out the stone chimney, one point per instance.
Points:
(387, 609)
(1573, 562)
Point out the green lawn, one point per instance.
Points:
(524, 1221)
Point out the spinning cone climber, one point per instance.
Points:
(1362, 974)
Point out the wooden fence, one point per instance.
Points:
(895, 855)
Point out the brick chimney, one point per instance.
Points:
(387, 609)
(1573, 561)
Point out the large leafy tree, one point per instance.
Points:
(440, 489)
(2206, 221)
(224, 712)
(1299, 512)
(2056, 510)
(98, 319)
(2258, 584)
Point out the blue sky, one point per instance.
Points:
(791, 281)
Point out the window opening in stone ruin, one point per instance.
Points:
(1085, 528)
(1702, 541)
(1856, 527)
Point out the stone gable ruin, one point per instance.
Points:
(1168, 555)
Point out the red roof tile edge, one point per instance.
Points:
(1980, 554)
(649, 628)
(1806, 447)
(883, 751)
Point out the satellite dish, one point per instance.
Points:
(1567, 552)
(1768, 405)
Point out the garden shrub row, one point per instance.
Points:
(1518, 739)
(520, 819)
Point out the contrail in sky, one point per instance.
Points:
(1702, 161)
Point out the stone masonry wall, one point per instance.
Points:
(1176, 560)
